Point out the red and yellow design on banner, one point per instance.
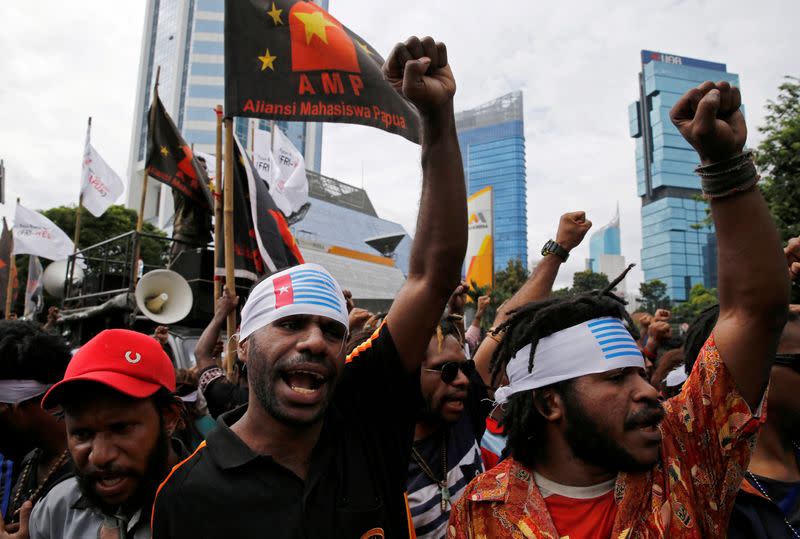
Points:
(480, 244)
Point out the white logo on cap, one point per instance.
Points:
(134, 361)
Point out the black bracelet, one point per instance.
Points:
(729, 177)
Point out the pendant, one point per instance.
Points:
(445, 493)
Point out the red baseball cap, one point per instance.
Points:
(126, 361)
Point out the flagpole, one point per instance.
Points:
(77, 235)
(230, 277)
(12, 269)
(218, 221)
(140, 218)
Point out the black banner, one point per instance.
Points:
(6, 246)
(171, 161)
(291, 60)
(262, 240)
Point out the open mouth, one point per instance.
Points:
(304, 382)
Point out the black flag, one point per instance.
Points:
(291, 60)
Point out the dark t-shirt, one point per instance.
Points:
(756, 517)
(356, 481)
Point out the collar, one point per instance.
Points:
(226, 449)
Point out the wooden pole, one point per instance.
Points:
(12, 270)
(218, 226)
(77, 234)
(230, 277)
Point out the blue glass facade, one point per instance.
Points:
(492, 139)
(605, 241)
(675, 249)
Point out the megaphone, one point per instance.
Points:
(164, 296)
(55, 276)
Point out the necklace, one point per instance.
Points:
(763, 491)
(26, 473)
(444, 491)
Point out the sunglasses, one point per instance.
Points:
(449, 370)
(788, 360)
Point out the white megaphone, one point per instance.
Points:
(164, 296)
(55, 277)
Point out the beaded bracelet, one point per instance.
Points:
(729, 177)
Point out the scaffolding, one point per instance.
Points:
(506, 108)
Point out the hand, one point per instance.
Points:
(658, 332)
(662, 315)
(709, 119)
(161, 335)
(348, 298)
(226, 304)
(458, 299)
(483, 303)
(219, 347)
(418, 70)
(572, 228)
(52, 315)
(17, 531)
(792, 252)
(357, 318)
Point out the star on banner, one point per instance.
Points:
(275, 13)
(315, 25)
(267, 61)
(365, 47)
(283, 290)
(164, 151)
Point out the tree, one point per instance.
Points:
(509, 280)
(587, 281)
(653, 296)
(700, 299)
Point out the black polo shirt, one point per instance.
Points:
(356, 482)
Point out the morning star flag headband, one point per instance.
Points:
(304, 289)
(595, 346)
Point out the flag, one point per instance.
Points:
(35, 234)
(285, 173)
(171, 161)
(292, 60)
(263, 242)
(33, 290)
(6, 248)
(100, 185)
(480, 253)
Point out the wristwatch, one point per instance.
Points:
(552, 248)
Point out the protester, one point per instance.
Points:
(120, 412)
(31, 359)
(323, 447)
(446, 453)
(593, 453)
(572, 228)
(220, 394)
(195, 422)
(474, 332)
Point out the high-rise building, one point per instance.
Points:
(492, 139)
(677, 248)
(185, 39)
(605, 251)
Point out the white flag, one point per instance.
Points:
(100, 186)
(33, 291)
(35, 234)
(284, 170)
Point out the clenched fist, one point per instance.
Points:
(572, 228)
(418, 70)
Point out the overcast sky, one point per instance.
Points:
(576, 63)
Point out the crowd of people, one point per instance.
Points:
(567, 417)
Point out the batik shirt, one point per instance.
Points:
(708, 434)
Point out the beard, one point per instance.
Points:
(262, 378)
(147, 484)
(595, 446)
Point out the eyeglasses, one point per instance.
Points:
(788, 360)
(449, 370)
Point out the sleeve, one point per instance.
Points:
(37, 525)
(710, 430)
(473, 337)
(220, 394)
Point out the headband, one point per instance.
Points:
(305, 289)
(17, 391)
(595, 346)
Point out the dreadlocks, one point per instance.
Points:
(527, 325)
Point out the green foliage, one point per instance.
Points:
(700, 299)
(653, 296)
(507, 281)
(115, 221)
(587, 281)
(778, 160)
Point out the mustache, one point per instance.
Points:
(304, 358)
(106, 473)
(650, 415)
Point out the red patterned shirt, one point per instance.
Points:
(708, 435)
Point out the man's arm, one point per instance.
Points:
(419, 71)
(572, 228)
(753, 285)
(204, 350)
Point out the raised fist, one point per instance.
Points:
(710, 119)
(792, 252)
(161, 335)
(418, 70)
(662, 315)
(659, 331)
(226, 303)
(572, 228)
(458, 299)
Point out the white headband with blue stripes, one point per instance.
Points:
(305, 289)
(596, 346)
